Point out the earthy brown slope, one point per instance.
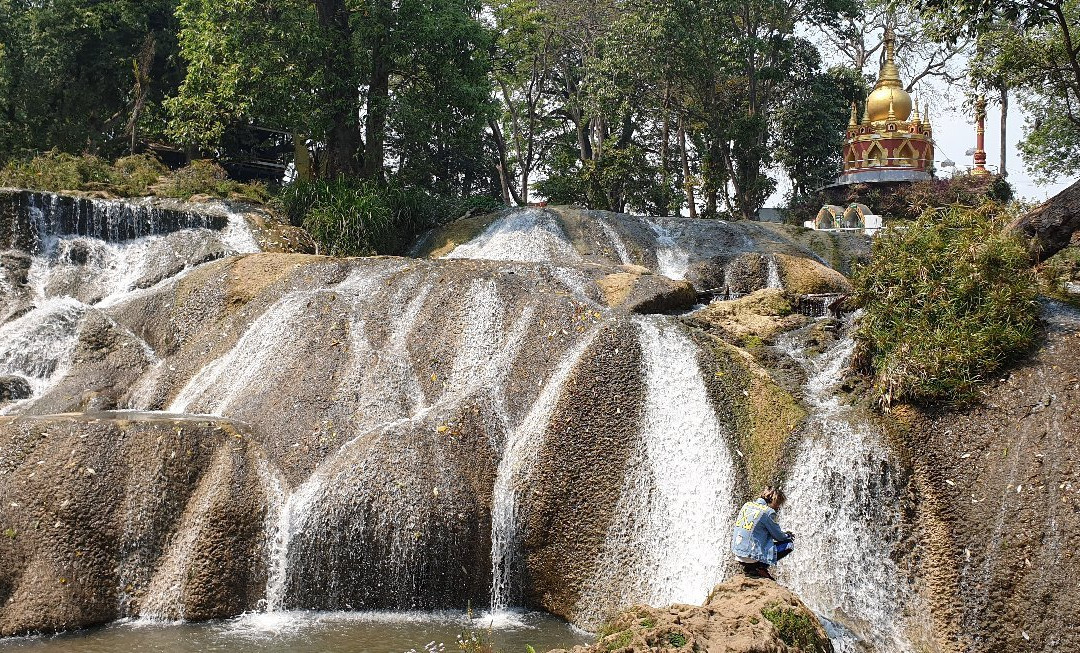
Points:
(1000, 501)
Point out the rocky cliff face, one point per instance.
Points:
(998, 490)
(512, 417)
(416, 433)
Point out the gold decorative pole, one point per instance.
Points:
(980, 137)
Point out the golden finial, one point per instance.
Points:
(926, 115)
(915, 117)
(892, 110)
(866, 114)
(890, 74)
(854, 116)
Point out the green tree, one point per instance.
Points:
(358, 80)
(84, 75)
(1033, 49)
(813, 121)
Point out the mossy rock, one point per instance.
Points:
(804, 276)
(440, 242)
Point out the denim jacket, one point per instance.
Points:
(756, 533)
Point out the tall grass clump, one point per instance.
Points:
(350, 217)
(56, 171)
(948, 300)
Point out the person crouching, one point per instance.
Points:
(757, 540)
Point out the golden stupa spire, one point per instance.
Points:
(889, 90)
(866, 113)
(854, 116)
(892, 108)
(889, 77)
(915, 116)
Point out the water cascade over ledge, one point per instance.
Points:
(482, 429)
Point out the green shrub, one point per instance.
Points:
(619, 640)
(678, 640)
(948, 300)
(57, 171)
(202, 177)
(796, 629)
(134, 175)
(350, 217)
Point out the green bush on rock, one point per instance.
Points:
(349, 217)
(948, 300)
(795, 629)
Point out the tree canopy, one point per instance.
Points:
(655, 106)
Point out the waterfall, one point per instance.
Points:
(519, 451)
(529, 235)
(38, 347)
(670, 537)
(92, 254)
(673, 261)
(616, 242)
(843, 508)
(773, 279)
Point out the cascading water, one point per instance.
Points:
(843, 506)
(529, 235)
(672, 259)
(616, 242)
(87, 255)
(519, 450)
(773, 279)
(669, 540)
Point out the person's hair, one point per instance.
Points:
(774, 495)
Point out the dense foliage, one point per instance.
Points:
(654, 106)
(129, 176)
(351, 217)
(948, 300)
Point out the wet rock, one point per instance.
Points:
(743, 615)
(745, 274)
(762, 315)
(16, 266)
(805, 276)
(1001, 502)
(104, 515)
(646, 293)
(14, 388)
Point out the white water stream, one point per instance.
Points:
(672, 259)
(843, 502)
(529, 235)
(669, 540)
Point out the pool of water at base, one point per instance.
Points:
(301, 632)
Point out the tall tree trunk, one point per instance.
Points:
(1002, 170)
(343, 142)
(688, 185)
(1049, 228)
(501, 166)
(378, 100)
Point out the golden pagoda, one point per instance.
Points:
(893, 141)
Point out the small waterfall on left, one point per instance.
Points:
(86, 255)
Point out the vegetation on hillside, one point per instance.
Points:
(949, 300)
(130, 176)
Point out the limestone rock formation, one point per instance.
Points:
(742, 615)
(109, 515)
(999, 503)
